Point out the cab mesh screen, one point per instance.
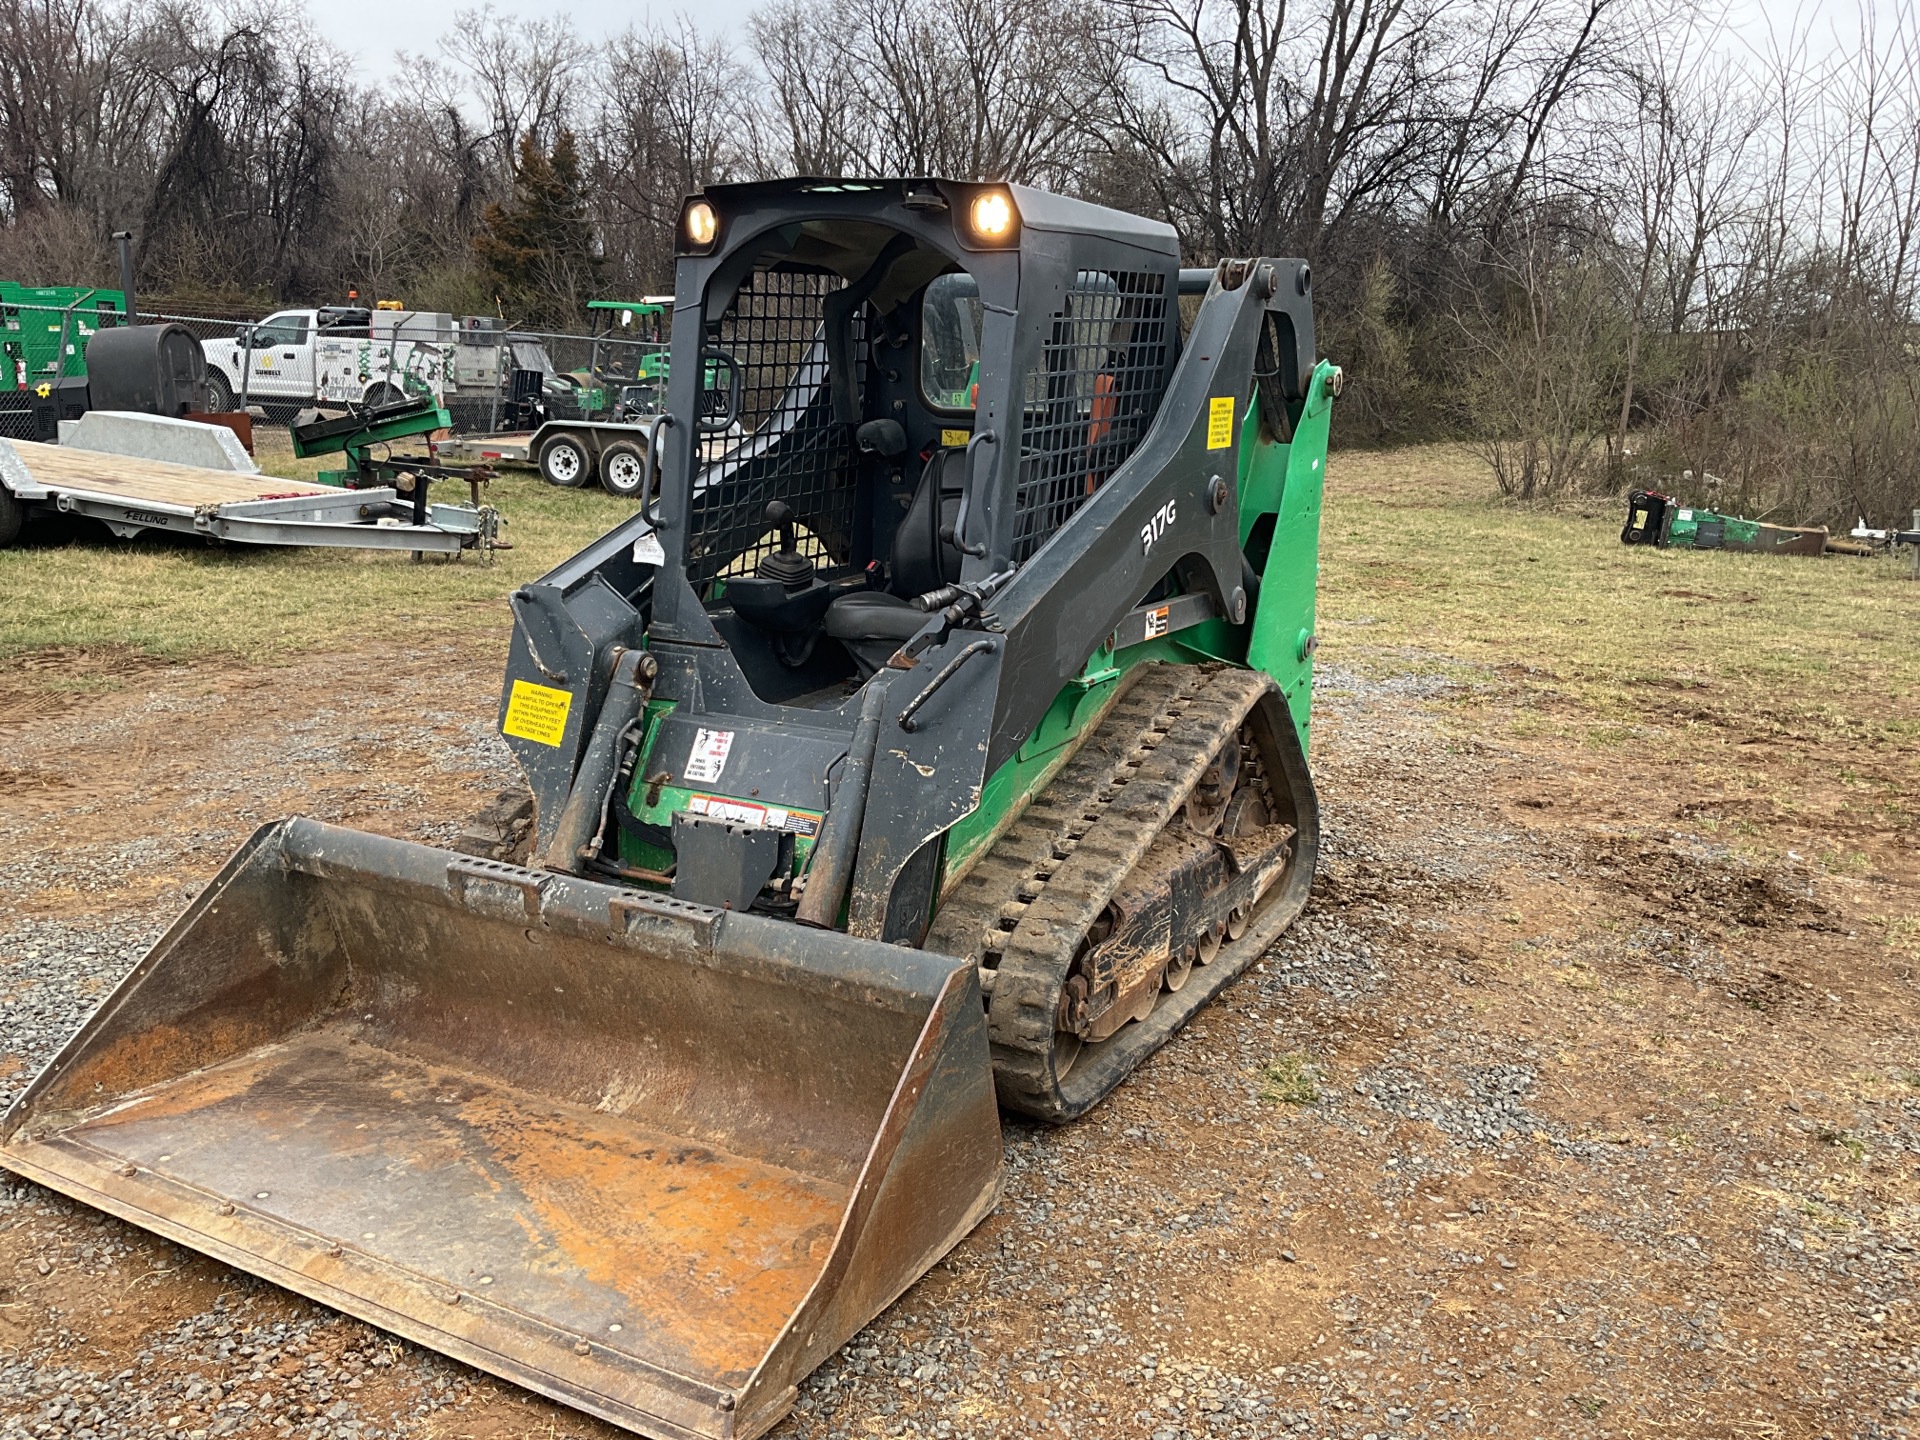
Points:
(1091, 397)
(785, 444)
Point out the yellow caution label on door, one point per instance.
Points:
(537, 713)
(1220, 422)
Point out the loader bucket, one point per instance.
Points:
(654, 1160)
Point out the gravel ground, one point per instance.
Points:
(1550, 1117)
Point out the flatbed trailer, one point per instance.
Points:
(567, 453)
(130, 494)
(485, 449)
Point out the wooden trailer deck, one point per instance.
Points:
(129, 494)
(124, 477)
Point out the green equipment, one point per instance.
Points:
(907, 756)
(44, 331)
(1657, 519)
(366, 436)
(628, 360)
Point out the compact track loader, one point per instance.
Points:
(930, 742)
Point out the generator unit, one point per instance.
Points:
(44, 331)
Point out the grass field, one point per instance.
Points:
(70, 584)
(1788, 678)
(1420, 567)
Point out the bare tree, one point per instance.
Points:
(671, 120)
(525, 72)
(1551, 225)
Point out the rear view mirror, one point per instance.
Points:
(720, 385)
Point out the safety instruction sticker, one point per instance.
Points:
(804, 823)
(1220, 422)
(955, 439)
(1157, 621)
(537, 713)
(709, 757)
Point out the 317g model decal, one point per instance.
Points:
(1156, 527)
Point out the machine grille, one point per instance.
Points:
(17, 423)
(1092, 396)
(787, 445)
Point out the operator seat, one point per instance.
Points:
(872, 624)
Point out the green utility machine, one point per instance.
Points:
(930, 742)
(44, 331)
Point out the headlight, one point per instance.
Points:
(700, 226)
(992, 216)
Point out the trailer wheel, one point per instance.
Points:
(219, 393)
(13, 517)
(564, 462)
(623, 469)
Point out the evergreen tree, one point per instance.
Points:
(538, 247)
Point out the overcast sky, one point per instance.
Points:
(374, 30)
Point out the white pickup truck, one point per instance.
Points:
(341, 355)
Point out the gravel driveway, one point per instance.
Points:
(1552, 1116)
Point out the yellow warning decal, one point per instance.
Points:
(954, 439)
(537, 713)
(1220, 422)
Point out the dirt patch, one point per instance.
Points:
(1598, 1119)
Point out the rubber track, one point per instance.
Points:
(1024, 909)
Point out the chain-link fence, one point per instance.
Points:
(488, 377)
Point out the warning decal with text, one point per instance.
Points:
(709, 755)
(537, 713)
(1220, 422)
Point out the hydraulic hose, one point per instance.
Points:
(580, 817)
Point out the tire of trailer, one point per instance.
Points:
(564, 461)
(13, 517)
(623, 469)
(219, 392)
